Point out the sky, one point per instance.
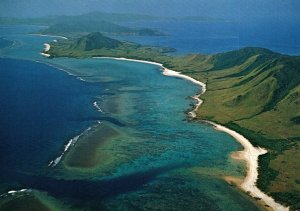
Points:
(234, 9)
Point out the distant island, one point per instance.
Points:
(76, 26)
(253, 91)
(107, 23)
(100, 16)
(85, 27)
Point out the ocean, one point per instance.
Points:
(107, 134)
(220, 36)
(41, 108)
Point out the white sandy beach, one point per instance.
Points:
(48, 35)
(46, 49)
(47, 46)
(250, 153)
(172, 73)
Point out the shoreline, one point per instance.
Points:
(249, 154)
(49, 35)
(46, 49)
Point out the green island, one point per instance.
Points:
(84, 27)
(253, 91)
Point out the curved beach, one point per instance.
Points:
(49, 35)
(250, 153)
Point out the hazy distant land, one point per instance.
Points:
(107, 23)
(74, 26)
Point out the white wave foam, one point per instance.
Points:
(14, 192)
(81, 79)
(70, 144)
(59, 68)
(97, 107)
(11, 192)
(56, 160)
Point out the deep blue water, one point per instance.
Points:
(215, 37)
(40, 109)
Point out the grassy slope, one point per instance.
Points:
(257, 93)
(253, 91)
(77, 48)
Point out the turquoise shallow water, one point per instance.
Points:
(160, 160)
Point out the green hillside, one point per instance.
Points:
(252, 90)
(95, 41)
(96, 44)
(259, 96)
(255, 82)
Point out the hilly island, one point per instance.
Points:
(253, 91)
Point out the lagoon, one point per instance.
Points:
(148, 155)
